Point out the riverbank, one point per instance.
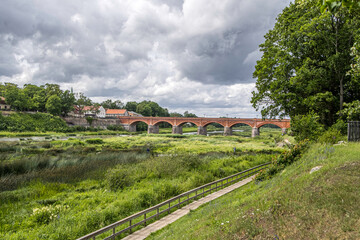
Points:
(65, 189)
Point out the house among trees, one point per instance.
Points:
(116, 112)
(101, 112)
(3, 105)
(89, 111)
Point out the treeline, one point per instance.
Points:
(310, 66)
(51, 99)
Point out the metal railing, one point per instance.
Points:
(141, 218)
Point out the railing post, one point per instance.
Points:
(169, 208)
(114, 233)
(144, 219)
(130, 226)
(179, 203)
(158, 216)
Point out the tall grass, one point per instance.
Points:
(99, 182)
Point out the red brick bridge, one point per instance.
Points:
(177, 122)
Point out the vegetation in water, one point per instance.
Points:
(63, 189)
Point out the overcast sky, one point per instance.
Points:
(195, 55)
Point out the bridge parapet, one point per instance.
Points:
(202, 123)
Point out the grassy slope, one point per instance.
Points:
(292, 205)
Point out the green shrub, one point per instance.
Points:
(118, 179)
(95, 141)
(283, 160)
(39, 122)
(46, 214)
(306, 126)
(115, 128)
(332, 136)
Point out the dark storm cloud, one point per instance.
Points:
(137, 49)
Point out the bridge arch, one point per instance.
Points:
(211, 122)
(265, 123)
(240, 122)
(157, 123)
(181, 124)
(135, 126)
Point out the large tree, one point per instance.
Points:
(306, 58)
(117, 104)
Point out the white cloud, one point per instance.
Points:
(186, 55)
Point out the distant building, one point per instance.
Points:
(3, 105)
(116, 112)
(89, 111)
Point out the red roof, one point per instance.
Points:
(86, 108)
(116, 111)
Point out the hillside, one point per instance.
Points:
(293, 205)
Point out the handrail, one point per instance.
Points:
(168, 202)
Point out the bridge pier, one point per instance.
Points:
(130, 128)
(284, 131)
(227, 131)
(255, 132)
(202, 130)
(177, 130)
(153, 129)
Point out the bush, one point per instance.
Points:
(39, 122)
(115, 128)
(330, 136)
(306, 127)
(95, 141)
(283, 160)
(46, 214)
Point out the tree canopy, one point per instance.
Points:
(306, 63)
(38, 98)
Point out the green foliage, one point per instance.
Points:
(292, 205)
(102, 184)
(117, 104)
(283, 160)
(335, 5)
(189, 115)
(149, 108)
(34, 98)
(351, 111)
(20, 122)
(306, 126)
(94, 141)
(331, 136)
(118, 179)
(89, 120)
(340, 126)
(305, 61)
(115, 128)
(53, 105)
(46, 214)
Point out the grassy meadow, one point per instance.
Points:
(63, 189)
(295, 204)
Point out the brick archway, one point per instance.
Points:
(130, 123)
